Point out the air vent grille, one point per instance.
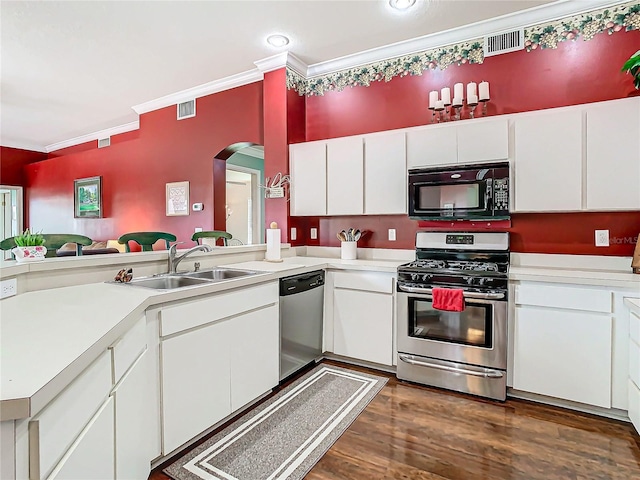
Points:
(187, 109)
(104, 142)
(504, 43)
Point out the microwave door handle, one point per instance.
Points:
(429, 291)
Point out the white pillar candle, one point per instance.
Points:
(445, 94)
(472, 99)
(483, 91)
(471, 89)
(433, 98)
(439, 105)
(458, 91)
(457, 101)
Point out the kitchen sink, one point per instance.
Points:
(166, 282)
(217, 274)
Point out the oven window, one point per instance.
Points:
(472, 326)
(463, 196)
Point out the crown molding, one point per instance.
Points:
(203, 90)
(281, 60)
(24, 146)
(107, 132)
(525, 18)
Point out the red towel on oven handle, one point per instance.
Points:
(448, 299)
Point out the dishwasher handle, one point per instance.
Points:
(301, 283)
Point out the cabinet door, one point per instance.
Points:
(563, 354)
(195, 383)
(134, 433)
(483, 140)
(548, 162)
(345, 176)
(92, 455)
(613, 155)
(634, 405)
(308, 169)
(432, 145)
(363, 325)
(385, 174)
(255, 361)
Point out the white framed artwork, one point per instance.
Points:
(177, 198)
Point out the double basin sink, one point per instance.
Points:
(170, 281)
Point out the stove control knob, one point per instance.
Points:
(482, 281)
(414, 276)
(426, 278)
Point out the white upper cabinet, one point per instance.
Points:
(613, 155)
(345, 176)
(483, 140)
(548, 161)
(308, 169)
(431, 146)
(385, 174)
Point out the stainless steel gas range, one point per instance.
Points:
(463, 350)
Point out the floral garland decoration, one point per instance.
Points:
(587, 25)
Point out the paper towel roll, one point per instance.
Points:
(273, 245)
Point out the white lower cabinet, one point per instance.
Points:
(195, 383)
(363, 316)
(563, 354)
(227, 356)
(634, 370)
(92, 456)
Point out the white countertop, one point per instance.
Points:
(48, 337)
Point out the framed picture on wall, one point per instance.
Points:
(177, 198)
(88, 197)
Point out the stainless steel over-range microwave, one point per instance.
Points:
(469, 192)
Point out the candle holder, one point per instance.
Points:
(447, 112)
(484, 106)
(433, 114)
(457, 108)
(472, 107)
(440, 117)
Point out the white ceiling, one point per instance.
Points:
(73, 68)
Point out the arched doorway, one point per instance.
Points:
(242, 167)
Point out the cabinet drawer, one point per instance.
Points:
(128, 348)
(556, 296)
(634, 328)
(195, 313)
(634, 363)
(634, 405)
(369, 282)
(57, 426)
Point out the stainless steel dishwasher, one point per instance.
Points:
(301, 307)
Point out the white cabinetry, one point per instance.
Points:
(345, 176)
(548, 161)
(562, 344)
(363, 316)
(473, 141)
(634, 370)
(218, 354)
(308, 168)
(613, 155)
(385, 175)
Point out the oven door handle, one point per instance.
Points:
(486, 373)
(429, 291)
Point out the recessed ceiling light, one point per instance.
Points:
(401, 4)
(277, 40)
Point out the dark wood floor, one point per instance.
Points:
(415, 432)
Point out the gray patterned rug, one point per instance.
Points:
(284, 437)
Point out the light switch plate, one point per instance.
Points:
(294, 233)
(198, 229)
(314, 234)
(392, 234)
(602, 238)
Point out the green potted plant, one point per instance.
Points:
(29, 247)
(633, 67)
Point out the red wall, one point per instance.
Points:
(137, 165)
(574, 73)
(12, 163)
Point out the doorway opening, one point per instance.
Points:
(11, 215)
(244, 203)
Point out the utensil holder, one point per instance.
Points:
(348, 250)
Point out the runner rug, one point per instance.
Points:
(285, 436)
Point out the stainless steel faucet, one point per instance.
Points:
(175, 260)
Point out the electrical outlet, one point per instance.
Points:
(314, 234)
(602, 238)
(392, 234)
(294, 233)
(8, 288)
